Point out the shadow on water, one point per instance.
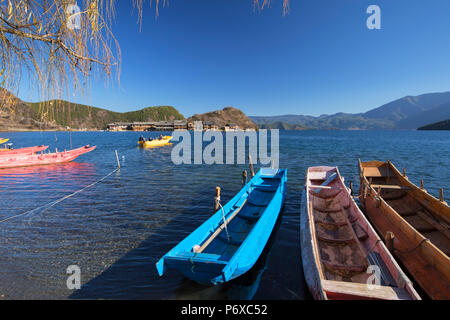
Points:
(134, 275)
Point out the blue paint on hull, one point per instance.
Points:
(235, 250)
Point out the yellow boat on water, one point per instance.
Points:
(156, 142)
(3, 140)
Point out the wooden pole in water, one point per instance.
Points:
(118, 162)
(244, 177)
(217, 199)
(421, 184)
(389, 241)
(252, 173)
(404, 172)
(441, 195)
(351, 188)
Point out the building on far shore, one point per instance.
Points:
(231, 127)
(169, 126)
(209, 125)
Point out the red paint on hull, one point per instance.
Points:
(29, 151)
(21, 160)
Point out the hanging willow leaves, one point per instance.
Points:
(61, 48)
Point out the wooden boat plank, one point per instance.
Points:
(340, 256)
(419, 224)
(393, 187)
(438, 239)
(375, 172)
(362, 290)
(439, 225)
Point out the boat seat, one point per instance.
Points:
(391, 187)
(251, 217)
(265, 188)
(189, 255)
(394, 196)
(341, 288)
(231, 240)
(254, 203)
(335, 241)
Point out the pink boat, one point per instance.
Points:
(29, 150)
(21, 160)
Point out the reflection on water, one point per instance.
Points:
(117, 230)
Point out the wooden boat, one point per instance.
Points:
(20, 160)
(341, 252)
(418, 223)
(156, 142)
(29, 150)
(229, 243)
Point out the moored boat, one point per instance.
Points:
(20, 160)
(228, 244)
(3, 140)
(418, 223)
(342, 255)
(28, 150)
(156, 142)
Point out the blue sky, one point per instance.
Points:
(203, 55)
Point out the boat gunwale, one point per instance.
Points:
(228, 271)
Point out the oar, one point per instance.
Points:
(326, 182)
(222, 226)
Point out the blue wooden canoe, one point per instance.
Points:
(223, 254)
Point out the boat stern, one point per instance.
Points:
(203, 268)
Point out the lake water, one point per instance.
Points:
(117, 230)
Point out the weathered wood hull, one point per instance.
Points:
(340, 249)
(29, 150)
(418, 221)
(234, 251)
(22, 160)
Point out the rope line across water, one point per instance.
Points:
(51, 204)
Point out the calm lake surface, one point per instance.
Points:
(118, 229)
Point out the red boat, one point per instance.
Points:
(29, 150)
(21, 160)
(342, 255)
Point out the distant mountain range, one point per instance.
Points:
(409, 112)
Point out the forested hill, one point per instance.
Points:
(442, 125)
(16, 114)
